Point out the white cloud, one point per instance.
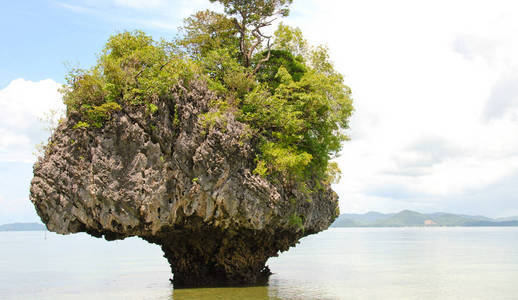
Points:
(425, 76)
(12, 139)
(504, 97)
(22, 106)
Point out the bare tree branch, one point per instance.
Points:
(258, 66)
(259, 40)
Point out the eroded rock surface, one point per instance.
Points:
(179, 180)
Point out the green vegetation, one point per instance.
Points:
(133, 70)
(294, 103)
(296, 221)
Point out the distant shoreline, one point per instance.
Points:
(408, 218)
(422, 226)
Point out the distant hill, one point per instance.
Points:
(368, 218)
(412, 218)
(480, 218)
(446, 219)
(345, 222)
(404, 218)
(23, 227)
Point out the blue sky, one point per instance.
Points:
(41, 36)
(434, 84)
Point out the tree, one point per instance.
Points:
(291, 40)
(289, 95)
(132, 70)
(206, 31)
(249, 18)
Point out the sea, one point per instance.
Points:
(340, 263)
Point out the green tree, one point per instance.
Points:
(288, 93)
(206, 31)
(132, 69)
(249, 18)
(291, 40)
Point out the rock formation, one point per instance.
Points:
(177, 180)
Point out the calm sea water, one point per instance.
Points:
(355, 263)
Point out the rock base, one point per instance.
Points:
(209, 256)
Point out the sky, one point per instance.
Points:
(435, 89)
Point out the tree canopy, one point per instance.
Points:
(287, 92)
(249, 18)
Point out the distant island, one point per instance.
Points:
(23, 227)
(412, 218)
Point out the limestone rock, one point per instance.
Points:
(176, 179)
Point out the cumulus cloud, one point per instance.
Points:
(426, 78)
(419, 158)
(23, 105)
(504, 98)
(471, 47)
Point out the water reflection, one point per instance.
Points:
(278, 288)
(240, 293)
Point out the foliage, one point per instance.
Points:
(287, 92)
(132, 69)
(249, 17)
(301, 121)
(152, 108)
(290, 40)
(280, 58)
(98, 114)
(206, 31)
(81, 124)
(225, 75)
(296, 221)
